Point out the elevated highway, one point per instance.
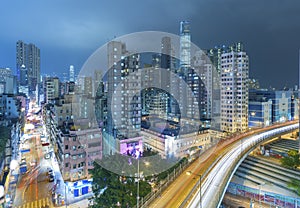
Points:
(215, 171)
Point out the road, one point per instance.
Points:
(175, 194)
(33, 189)
(211, 187)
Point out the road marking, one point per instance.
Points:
(37, 203)
(40, 202)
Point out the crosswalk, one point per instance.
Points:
(45, 202)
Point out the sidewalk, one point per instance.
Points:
(81, 204)
(61, 194)
(234, 201)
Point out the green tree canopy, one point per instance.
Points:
(118, 189)
(295, 184)
(4, 136)
(292, 160)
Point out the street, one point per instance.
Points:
(33, 188)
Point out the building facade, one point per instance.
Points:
(28, 65)
(77, 141)
(8, 82)
(260, 113)
(51, 89)
(123, 97)
(281, 103)
(78, 147)
(10, 106)
(234, 89)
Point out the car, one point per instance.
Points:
(50, 171)
(47, 156)
(51, 178)
(33, 163)
(23, 160)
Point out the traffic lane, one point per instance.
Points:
(38, 185)
(212, 188)
(227, 160)
(31, 189)
(34, 185)
(174, 195)
(173, 199)
(41, 185)
(211, 183)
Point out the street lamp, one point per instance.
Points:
(66, 195)
(260, 185)
(200, 184)
(138, 183)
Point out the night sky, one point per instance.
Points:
(69, 31)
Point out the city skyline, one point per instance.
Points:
(149, 104)
(68, 34)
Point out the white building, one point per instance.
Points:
(123, 99)
(8, 82)
(51, 88)
(72, 73)
(9, 106)
(234, 89)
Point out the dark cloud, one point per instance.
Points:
(68, 31)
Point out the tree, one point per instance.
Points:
(295, 184)
(4, 136)
(117, 189)
(287, 162)
(293, 153)
(292, 160)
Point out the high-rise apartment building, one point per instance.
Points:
(72, 73)
(28, 65)
(123, 101)
(8, 82)
(234, 89)
(185, 44)
(205, 83)
(88, 86)
(51, 89)
(77, 140)
(21, 57)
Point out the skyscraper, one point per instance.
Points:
(20, 57)
(124, 105)
(185, 44)
(33, 66)
(28, 64)
(72, 73)
(234, 89)
(88, 86)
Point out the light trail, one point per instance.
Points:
(211, 183)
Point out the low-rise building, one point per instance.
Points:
(9, 106)
(78, 146)
(281, 102)
(76, 140)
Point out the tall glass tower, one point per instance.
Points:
(28, 57)
(72, 74)
(185, 44)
